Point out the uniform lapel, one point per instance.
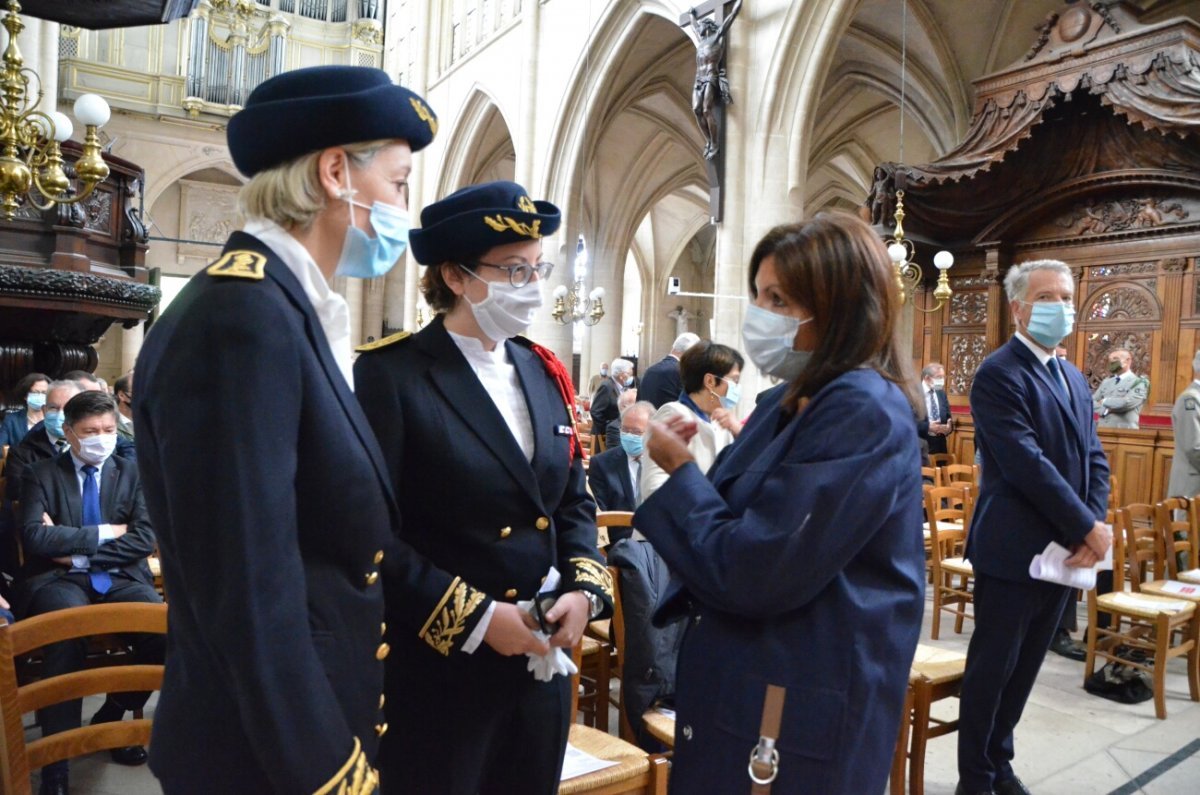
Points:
(543, 406)
(279, 272)
(453, 377)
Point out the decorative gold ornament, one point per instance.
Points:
(908, 272)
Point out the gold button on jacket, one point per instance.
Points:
(505, 532)
(542, 523)
(382, 651)
(372, 577)
(511, 593)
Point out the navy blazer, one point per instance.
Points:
(608, 475)
(272, 505)
(604, 405)
(13, 429)
(1046, 474)
(662, 382)
(52, 487)
(803, 561)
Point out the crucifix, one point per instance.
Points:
(710, 21)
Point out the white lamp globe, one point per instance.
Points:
(897, 253)
(63, 128)
(92, 110)
(943, 260)
(560, 291)
(596, 294)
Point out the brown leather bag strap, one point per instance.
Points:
(764, 757)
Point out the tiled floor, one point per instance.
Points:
(1068, 743)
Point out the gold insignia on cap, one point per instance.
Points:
(239, 264)
(424, 114)
(502, 223)
(526, 205)
(383, 343)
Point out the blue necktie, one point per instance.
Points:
(1056, 374)
(101, 580)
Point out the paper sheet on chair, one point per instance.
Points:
(1184, 588)
(1051, 566)
(580, 763)
(1192, 575)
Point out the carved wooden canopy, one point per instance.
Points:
(1100, 103)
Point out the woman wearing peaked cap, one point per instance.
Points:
(478, 437)
(264, 483)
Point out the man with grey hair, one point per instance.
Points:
(615, 474)
(1185, 418)
(1047, 481)
(937, 423)
(604, 402)
(1119, 399)
(612, 434)
(662, 382)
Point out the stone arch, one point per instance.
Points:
(476, 143)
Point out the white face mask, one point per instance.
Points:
(769, 338)
(95, 450)
(939, 383)
(506, 311)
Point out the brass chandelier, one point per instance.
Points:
(31, 163)
(571, 304)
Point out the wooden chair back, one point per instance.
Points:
(18, 758)
(931, 474)
(1179, 536)
(942, 459)
(947, 504)
(1114, 497)
(607, 519)
(1137, 549)
(960, 473)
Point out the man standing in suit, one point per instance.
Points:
(662, 383)
(594, 384)
(1046, 480)
(614, 475)
(937, 425)
(1185, 418)
(604, 402)
(87, 536)
(1119, 398)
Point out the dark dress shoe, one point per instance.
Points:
(962, 790)
(1064, 646)
(1012, 786)
(131, 755)
(54, 785)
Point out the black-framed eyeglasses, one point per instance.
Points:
(519, 275)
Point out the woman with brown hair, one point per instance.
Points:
(799, 558)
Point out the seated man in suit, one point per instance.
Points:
(612, 434)
(86, 534)
(662, 382)
(615, 473)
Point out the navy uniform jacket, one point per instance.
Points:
(1047, 476)
(803, 560)
(662, 382)
(488, 523)
(271, 504)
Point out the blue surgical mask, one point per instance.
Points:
(769, 337)
(54, 423)
(732, 395)
(366, 257)
(604, 371)
(35, 400)
(1050, 322)
(632, 443)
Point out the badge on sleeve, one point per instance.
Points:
(239, 264)
(562, 430)
(1189, 404)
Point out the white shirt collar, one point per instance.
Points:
(332, 310)
(79, 463)
(473, 350)
(1041, 355)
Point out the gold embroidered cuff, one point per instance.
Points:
(590, 572)
(449, 618)
(355, 778)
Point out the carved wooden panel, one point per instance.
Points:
(1124, 269)
(1095, 365)
(1121, 215)
(967, 282)
(967, 352)
(968, 308)
(1123, 301)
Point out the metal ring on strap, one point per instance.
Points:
(774, 763)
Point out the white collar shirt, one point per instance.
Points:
(332, 310)
(499, 378)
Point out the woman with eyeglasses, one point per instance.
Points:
(478, 436)
(711, 375)
(799, 558)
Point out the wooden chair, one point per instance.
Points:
(1160, 627)
(637, 773)
(607, 519)
(18, 758)
(942, 459)
(936, 674)
(932, 475)
(947, 512)
(1180, 537)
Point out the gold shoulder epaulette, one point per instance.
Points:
(383, 343)
(239, 264)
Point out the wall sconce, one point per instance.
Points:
(908, 272)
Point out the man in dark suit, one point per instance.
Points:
(604, 403)
(662, 383)
(1046, 479)
(86, 535)
(937, 424)
(614, 474)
